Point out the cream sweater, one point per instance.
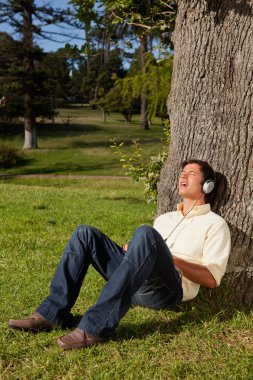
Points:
(202, 237)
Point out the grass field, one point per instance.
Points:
(202, 340)
(79, 143)
(206, 338)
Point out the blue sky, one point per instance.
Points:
(52, 46)
(48, 45)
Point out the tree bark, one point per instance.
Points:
(87, 41)
(211, 113)
(28, 64)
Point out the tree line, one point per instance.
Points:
(34, 84)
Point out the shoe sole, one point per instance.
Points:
(32, 329)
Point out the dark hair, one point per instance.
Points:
(207, 173)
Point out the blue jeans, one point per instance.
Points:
(145, 275)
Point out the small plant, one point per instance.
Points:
(141, 168)
(10, 157)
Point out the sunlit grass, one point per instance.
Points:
(79, 143)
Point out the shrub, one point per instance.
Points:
(141, 168)
(10, 157)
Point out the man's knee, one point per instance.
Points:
(85, 231)
(145, 230)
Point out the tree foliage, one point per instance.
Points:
(141, 168)
(146, 20)
(49, 79)
(28, 19)
(12, 11)
(154, 17)
(155, 80)
(92, 85)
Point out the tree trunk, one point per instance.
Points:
(211, 112)
(102, 109)
(144, 124)
(29, 117)
(30, 139)
(87, 39)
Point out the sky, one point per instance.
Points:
(48, 45)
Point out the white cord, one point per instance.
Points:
(182, 219)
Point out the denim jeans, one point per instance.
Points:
(145, 275)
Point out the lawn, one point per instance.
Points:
(79, 143)
(204, 339)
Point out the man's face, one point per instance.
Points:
(190, 182)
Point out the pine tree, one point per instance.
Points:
(28, 20)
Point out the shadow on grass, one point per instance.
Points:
(187, 315)
(70, 129)
(89, 144)
(172, 322)
(21, 163)
(67, 168)
(124, 199)
(61, 130)
(50, 130)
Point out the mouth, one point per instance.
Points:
(183, 184)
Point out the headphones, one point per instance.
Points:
(208, 186)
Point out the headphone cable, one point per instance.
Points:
(188, 212)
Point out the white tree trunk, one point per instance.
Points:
(28, 64)
(30, 140)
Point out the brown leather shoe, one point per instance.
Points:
(78, 339)
(33, 323)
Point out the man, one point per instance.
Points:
(161, 266)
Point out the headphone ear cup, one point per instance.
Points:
(208, 186)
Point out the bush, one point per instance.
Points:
(140, 168)
(10, 157)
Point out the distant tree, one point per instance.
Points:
(79, 72)
(11, 60)
(156, 80)
(148, 19)
(116, 101)
(12, 80)
(102, 33)
(145, 19)
(56, 67)
(125, 96)
(94, 84)
(28, 20)
(50, 80)
(105, 78)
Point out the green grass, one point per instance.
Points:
(79, 143)
(204, 339)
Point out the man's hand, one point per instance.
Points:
(195, 272)
(125, 247)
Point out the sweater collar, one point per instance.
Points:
(196, 211)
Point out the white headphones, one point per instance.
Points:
(208, 186)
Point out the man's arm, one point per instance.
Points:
(195, 272)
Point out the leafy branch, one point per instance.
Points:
(139, 167)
